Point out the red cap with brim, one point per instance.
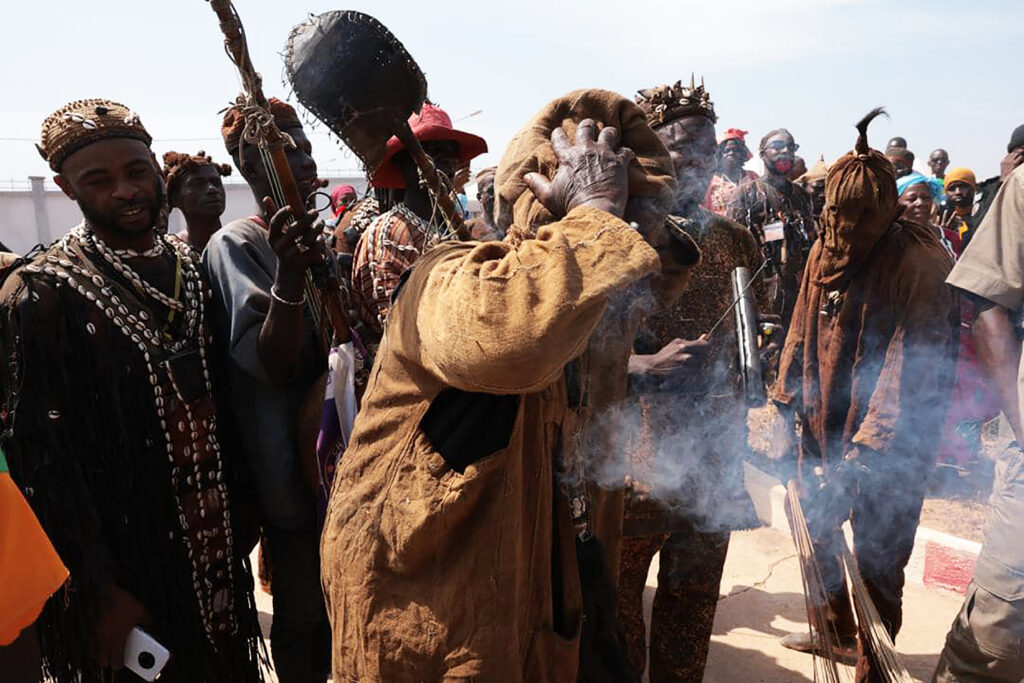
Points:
(431, 124)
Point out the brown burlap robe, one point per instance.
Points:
(651, 175)
(434, 575)
(430, 574)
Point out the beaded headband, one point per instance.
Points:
(83, 122)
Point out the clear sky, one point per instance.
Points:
(947, 71)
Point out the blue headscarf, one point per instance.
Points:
(913, 178)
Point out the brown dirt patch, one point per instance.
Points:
(963, 518)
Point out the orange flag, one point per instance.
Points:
(30, 570)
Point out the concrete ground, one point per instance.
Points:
(762, 600)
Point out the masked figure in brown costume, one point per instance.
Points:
(694, 432)
(867, 367)
(449, 551)
(776, 210)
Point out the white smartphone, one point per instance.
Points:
(144, 656)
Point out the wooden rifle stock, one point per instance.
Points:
(328, 289)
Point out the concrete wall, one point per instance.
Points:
(42, 214)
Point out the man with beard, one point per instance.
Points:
(194, 187)
(938, 161)
(776, 210)
(731, 154)
(697, 428)
(460, 542)
(257, 268)
(400, 235)
(110, 422)
(867, 366)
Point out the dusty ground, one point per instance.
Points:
(762, 596)
(762, 600)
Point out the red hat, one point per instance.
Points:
(735, 134)
(432, 123)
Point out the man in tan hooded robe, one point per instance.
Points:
(449, 551)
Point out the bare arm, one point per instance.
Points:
(678, 355)
(999, 352)
(280, 338)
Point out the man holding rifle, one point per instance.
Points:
(694, 431)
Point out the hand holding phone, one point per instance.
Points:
(144, 655)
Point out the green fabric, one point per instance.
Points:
(3, 462)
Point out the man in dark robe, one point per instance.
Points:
(111, 427)
(689, 494)
(776, 210)
(868, 367)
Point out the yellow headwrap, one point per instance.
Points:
(960, 175)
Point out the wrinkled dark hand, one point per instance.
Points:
(119, 612)
(679, 356)
(591, 172)
(294, 243)
(1010, 162)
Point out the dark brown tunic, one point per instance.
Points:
(872, 365)
(869, 365)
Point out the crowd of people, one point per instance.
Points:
(542, 408)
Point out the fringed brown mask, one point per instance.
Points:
(861, 204)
